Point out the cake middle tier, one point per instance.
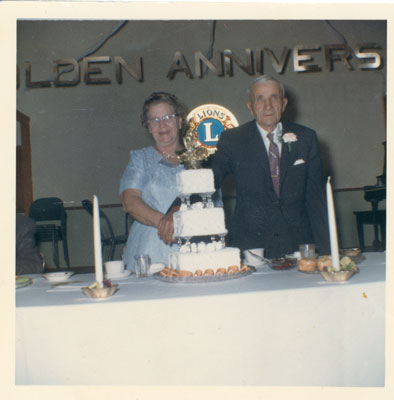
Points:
(199, 222)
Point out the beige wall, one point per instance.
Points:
(81, 135)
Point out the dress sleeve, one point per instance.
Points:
(134, 176)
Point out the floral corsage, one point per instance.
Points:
(289, 138)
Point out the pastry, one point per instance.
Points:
(221, 271)
(307, 264)
(324, 262)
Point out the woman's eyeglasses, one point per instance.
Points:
(165, 118)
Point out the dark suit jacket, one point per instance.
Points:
(260, 218)
(28, 259)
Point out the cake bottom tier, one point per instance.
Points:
(193, 261)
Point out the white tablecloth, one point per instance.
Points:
(269, 328)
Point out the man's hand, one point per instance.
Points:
(165, 228)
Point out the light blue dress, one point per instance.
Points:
(154, 176)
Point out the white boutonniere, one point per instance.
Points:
(289, 138)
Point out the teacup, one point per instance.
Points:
(254, 257)
(114, 268)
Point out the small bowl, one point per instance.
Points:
(58, 276)
(283, 263)
(100, 293)
(351, 252)
(339, 276)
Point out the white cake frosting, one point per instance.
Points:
(196, 181)
(200, 219)
(199, 222)
(193, 261)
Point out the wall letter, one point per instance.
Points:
(89, 71)
(374, 56)
(199, 59)
(329, 52)
(29, 83)
(137, 73)
(259, 61)
(278, 65)
(179, 64)
(56, 73)
(229, 57)
(300, 59)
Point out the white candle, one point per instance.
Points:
(332, 226)
(98, 261)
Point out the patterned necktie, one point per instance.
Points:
(273, 155)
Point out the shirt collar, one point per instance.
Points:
(277, 131)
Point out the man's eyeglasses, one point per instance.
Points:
(165, 118)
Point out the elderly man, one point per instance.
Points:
(280, 197)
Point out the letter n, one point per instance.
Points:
(199, 59)
(136, 73)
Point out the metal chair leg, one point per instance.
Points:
(111, 252)
(65, 251)
(55, 250)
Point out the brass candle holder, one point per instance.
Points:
(94, 291)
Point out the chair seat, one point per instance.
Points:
(116, 240)
(46, 233)
(376, 218)
(51, 209)
(108, 238)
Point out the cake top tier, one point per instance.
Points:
(196, 181)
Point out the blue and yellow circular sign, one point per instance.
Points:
(205, 125)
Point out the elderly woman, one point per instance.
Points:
(148, 184)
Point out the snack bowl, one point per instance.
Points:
(283, 263)
(57, 276)
(339, 276)
(351, 252)
(100, 293)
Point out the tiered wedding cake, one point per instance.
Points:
(201, 220)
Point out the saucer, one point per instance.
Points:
(23, 281)
(264, 262)
(123, 275)
(57, 276)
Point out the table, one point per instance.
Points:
(269, 328)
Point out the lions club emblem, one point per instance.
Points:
(205, 125)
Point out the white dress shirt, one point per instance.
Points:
(277, 136)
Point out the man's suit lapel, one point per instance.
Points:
(287, 158)
(257, 149)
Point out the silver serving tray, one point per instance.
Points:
(203, 278)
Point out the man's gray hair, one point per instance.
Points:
(266, 78)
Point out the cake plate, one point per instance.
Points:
(203, 278)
